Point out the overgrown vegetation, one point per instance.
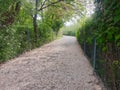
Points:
(27, 24)
(104, 26)
(70, 30)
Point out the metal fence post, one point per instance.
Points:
(94, 56)
(84, 47)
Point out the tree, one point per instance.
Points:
(9, 13)
(44, 4)
(58, 15)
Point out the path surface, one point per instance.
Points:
(59, 65)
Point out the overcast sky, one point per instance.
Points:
(89, 5)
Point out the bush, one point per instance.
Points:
(46, 34)
(104, 25)
(18, 39)
(9, 45)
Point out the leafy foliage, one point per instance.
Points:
(105, 27)
(70, 30)
(27, 24)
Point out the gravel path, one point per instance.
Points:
(59, 65)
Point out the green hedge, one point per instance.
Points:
(104, 25)
(15, 40)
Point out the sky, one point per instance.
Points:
(89, 5)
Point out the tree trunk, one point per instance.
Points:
(35, 26)
(35, 21)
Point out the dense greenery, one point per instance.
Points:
(26, 24)
(104, 26)
(70, 29)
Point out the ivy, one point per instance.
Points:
(105, 27)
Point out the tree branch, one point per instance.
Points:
(52, 3)
(43, 4)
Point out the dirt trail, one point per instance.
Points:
(59, 65)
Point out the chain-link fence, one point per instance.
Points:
(106, 64)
